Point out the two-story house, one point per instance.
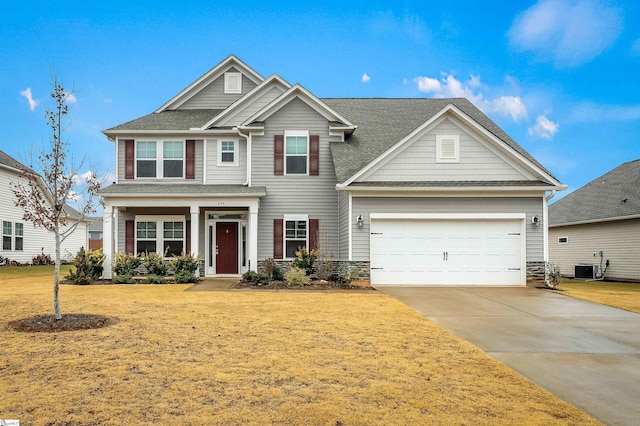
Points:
(238, 168)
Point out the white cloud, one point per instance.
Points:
(366, 78)
(589, 112)
(544, 128)
(71, 98)
(450, 87)
(32, 102)
(566, 32)
(108, 100)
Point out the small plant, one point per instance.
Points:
(551, 275)
(126, 264)
(184, 268)
(154, 264)
(88, 266)
(297, 276)
(270, 267)
(305, 259)
(256, 277)
(154, 279)
(123, 279)
(185, 277)
(96, 263)
(349, 274)
(42, 259)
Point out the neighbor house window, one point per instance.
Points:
(447, 148)
(227, 153)
(19, 235)
(172, 159)
(146, 155)
(233, 83)
(146, 235)
(296, 152)
(173, 238)
(295, 236)
(563, 240)
(7, 234)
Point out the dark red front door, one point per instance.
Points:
(226, 247)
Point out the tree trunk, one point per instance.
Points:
(56, 277)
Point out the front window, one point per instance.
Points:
(227, 153)
(146, 235)
(19, 234)
(173, 158)
(295, 236)
(7, 233)
(146, 155)
(296, 150)
(173, 238)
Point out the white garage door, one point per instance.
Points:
(446, 252)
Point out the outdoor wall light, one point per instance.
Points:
(359, 220)
(536, 220)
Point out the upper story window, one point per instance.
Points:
(447, 149)
(232, 83)
(296, 152)
(146, 155)
(173, 159)
(168, 161)
(227, 155)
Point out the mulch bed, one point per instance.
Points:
(68, 322)
(314, 285)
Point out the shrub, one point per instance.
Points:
(256, 277)
(126, 264)
(184, 263)
(88, 266)
(42, 259)
(551, 275)
(123, 279)
(305, 259)
(185, 277)
(270, 267)
(349, 274)
(297, 276)
(154, 264)
(96, 263)
(154, 279)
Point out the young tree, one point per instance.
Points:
(44, 197)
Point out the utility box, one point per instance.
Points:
(585, 271)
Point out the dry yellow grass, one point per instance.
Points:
(193, 358)
(617, 294)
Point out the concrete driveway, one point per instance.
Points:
(585, 353)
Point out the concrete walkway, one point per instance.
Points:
(585, 353)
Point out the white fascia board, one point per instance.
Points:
(309, 98)
(197, 196)
(606, 219)
(449, 216)
(190, 133)
(209, 76)
(441, 189)
(247, 98)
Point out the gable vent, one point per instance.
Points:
(448, 148)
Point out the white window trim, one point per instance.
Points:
(292, 217)
(439, 158)
(235, 153)
(296, 133)
(563, 242)
(159, 220)
(228, 78)
(10, 235)
(16, 236)
(160, 159)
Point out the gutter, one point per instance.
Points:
(247, 136)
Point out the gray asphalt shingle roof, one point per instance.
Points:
(613, 195)
(183, 119)
(8, 160)
(181, 188)
(382, 122)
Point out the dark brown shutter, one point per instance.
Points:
(278, 154)
(314, 155)
(129, 240)
(190, 172)
(277, 239)
(313, 233)
(187, 245)
(129, 158)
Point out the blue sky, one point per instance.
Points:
(561, 77)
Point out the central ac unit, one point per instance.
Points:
(586, 271)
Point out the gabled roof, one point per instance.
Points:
(230, 61)
(181, 119)
(9, 161)
(612, 196)
(384, 122)
(178, 190)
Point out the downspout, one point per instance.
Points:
(248, 138)
(545, 224)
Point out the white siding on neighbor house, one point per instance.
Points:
(250, 108)
(199, 156)
(35, 240)
(530, 206)
(217, 175)
(417, 162)
(618, 240)
(294, 194)
(343, 229)
(213, 96)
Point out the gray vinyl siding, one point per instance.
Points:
(618, 240)
(417, 162)
(213, 96)
(343, 229)
(199, 159)
(294, 194)
(131, 212)
(531, 206)
(217, 175)
(254, 106)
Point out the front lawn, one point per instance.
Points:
(177, 357)
(617, 294)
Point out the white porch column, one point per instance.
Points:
(107, 240)
(253, 238)
(195, 231)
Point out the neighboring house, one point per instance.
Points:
(95, 233)
(238, 168)
(22, 241)
(601, 217)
